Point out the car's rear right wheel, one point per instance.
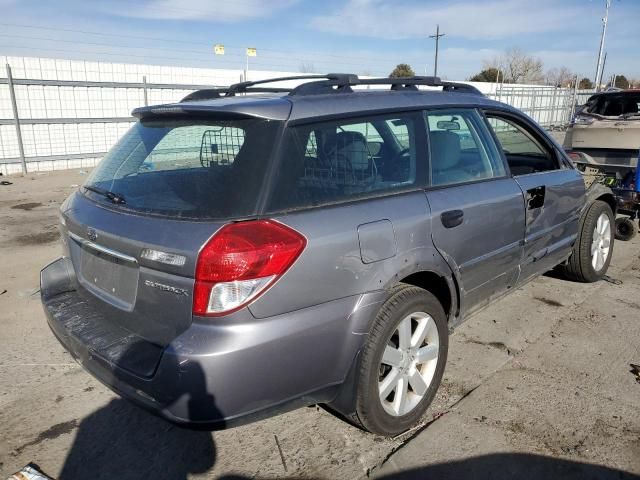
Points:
(402, 362)
(592, 251)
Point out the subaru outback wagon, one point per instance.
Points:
(254, 249)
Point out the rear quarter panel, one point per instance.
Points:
(332, 267)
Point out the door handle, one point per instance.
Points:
(535, 197)
(452, 218)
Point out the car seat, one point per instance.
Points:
(445, 158)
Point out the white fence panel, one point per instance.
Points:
(71, 112)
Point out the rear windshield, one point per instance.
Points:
(191, 169)
(615, 104)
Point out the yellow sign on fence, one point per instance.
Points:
(252, 52)
(218, 49)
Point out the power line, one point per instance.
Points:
(173, 40)
(208, 64)
(203, 62)
(238, 55)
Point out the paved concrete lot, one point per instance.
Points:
(537, 386)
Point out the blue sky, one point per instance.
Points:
(362, 36)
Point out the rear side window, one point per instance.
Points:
(343, 160)
(460, 150)
(182, 168)
(524, 152)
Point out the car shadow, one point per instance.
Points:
(124, 441)
(509, 466)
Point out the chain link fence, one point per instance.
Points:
(60, 114)
(549, 106)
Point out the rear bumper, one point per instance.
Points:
(219, 372)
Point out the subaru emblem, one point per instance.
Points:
(92, 234)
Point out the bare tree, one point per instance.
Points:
(517, 66)
(560, 77)
(306, 67)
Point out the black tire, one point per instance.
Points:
(625, 229)
(370, 414)
(579, 267)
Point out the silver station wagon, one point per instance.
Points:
(254, 249)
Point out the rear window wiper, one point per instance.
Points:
(630, 115)
(114, 197)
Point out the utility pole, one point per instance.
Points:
(437, 37)
(604, 63)
(600, 65)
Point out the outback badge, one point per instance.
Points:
(166, 288)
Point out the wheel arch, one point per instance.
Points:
(443, 287)
(600, 192)
(610, 200)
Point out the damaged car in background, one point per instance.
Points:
(607, 128)
(604, 142)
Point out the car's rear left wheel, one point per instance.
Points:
(402, 362)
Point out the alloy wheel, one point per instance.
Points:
(601, 242)
(408, 363)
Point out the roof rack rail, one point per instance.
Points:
(403, 83)
(250, 86)
(329, 83)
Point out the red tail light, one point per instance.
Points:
(240, 262)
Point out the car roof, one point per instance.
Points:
(368, 101)
(307, 107)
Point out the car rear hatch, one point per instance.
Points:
(609, 122)
(134, 230)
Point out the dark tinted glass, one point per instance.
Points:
(615, 104)
(203, 169)
(336, 161)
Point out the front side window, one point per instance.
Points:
(343, 160)
(525, 154)
(460, 150)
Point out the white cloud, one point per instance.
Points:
(466, 19)
(223, 11)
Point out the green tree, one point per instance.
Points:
(402, 70)
(621, 82)
(585, 84)
(490, 74)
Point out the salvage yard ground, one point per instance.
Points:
(537, 386)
